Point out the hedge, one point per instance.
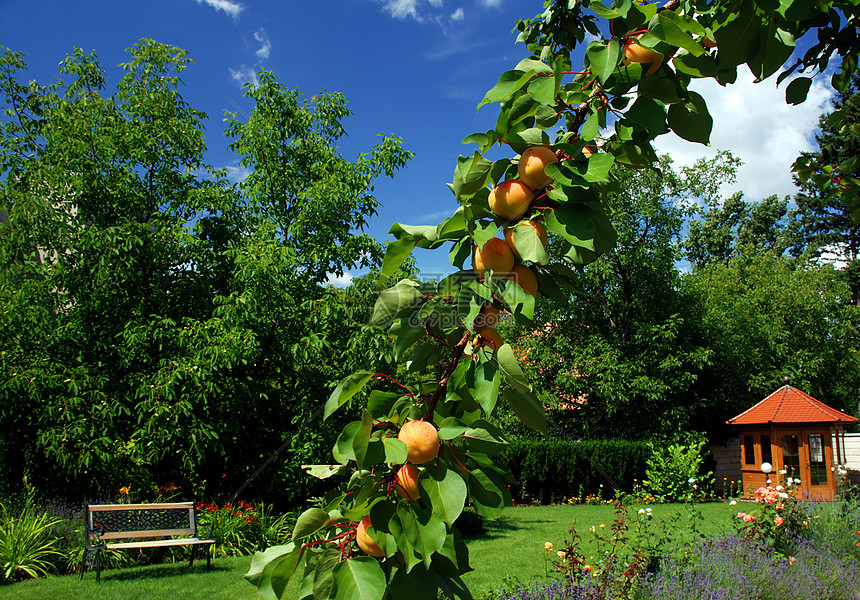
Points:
(556, 471)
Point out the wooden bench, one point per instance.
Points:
(129, 526)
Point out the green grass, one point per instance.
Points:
(512, 545)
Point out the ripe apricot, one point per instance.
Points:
(406, 482)
(510, 199)
(496, 255)
(489, 316)
(532, 165)
(421, 439)
(634, 52)
(365, 542)
(525, 278)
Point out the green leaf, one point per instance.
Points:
(361, 439)
(543, 90)
(647, 114)
(342, 450)
(529, 244)
(509, 82)
(445, 490)
(471, 175)
(309, 522)
(511, 368)
(393, 300)
(346, 389)
(486, 384)
(603, 58)
(527, 408)
(395, 450)
(379, 404)
(530, 64)
(481, 440)
(599, 165)
(691, 119)
(324, 471)
(669, 27)
(424, 529)
(775, 48)
(359, 579)
(271, 570)
(521, 141)
(395, 253)
(415, 584)
(797, 89)
(737, 40)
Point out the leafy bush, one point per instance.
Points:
(676, 471)
(26, 546)
(553, 471)
(243, 528)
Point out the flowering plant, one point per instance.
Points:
(776, 518)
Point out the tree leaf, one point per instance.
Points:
(359, 579)
(395, 253)
(393, 300)
(527, 408)
(511, 368)
(348, 387)
(486, 383)
(309, 522)
(691, 119)
(445, 490)
(271, 570)
(797, 89)
(603, 58)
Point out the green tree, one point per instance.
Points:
(153, 314)
(618, 356)
(824, 222)
(725, 229)
(766, 316)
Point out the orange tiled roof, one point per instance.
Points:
(790, 405)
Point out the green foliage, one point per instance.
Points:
(152, 313)
(676, 471)
(555, 471)
(243, 528)
(26, 547)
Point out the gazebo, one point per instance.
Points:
(799, 436)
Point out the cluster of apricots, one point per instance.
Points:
(510, 200)
(422, 445)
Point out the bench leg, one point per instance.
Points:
(83, 565)
(209, 549)
(98, 566)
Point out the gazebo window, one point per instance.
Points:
(766, 454)
(817, 466)
(749, 450)
(790, 456)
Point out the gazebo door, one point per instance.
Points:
(806, 456)
(791, 461)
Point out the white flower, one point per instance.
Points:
(547, 546)
(649, 510)
(783, 495)
(641, 511)
(733, 502)
(691, 480)
(783, 472)
(779, 488)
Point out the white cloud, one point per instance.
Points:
(231, 8)
(435, 3)
(755, 123)
(237, 174)
(491, 3)
(266, 48)
(344, 280)
(243, 75)
(400, 9)
(457, 15)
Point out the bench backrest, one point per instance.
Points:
(113, 521)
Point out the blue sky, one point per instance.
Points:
(413, 68)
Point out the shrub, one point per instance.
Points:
(26, 546)
(553, 471)
(676, 470)
(242, 528)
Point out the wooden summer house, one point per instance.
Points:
(799, 436)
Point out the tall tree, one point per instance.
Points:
(152, 314)
(826, 225)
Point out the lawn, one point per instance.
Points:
(512, 545)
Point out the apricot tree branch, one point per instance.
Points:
(457, 354)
